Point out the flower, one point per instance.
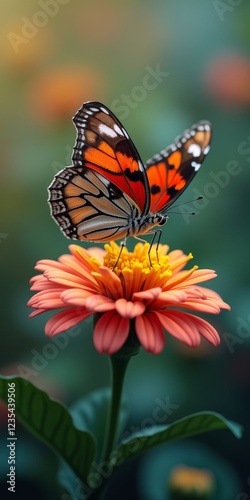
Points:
(56, 94)
(186, 481)
(148, 294)
(227, 80)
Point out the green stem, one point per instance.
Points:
(119, 363)
(119, 366)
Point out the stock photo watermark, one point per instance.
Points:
(40, 360)
(102, 471)
(223, 7)
(152, 78)
(242, 333)
(3, 236)
(219, 180)
(11, 439)
(30, 26)
(57, 166)
(243, 495)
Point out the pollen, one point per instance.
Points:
(143, 258)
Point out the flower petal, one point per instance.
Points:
(75, 296)
(206, 330)
(180, 325)
(64, 320)
(99, 303)
(47, 299)
(149, 294)
(110, 333)
(173, 296)
(108, 282)
(128, 309)
(68, 279)
(150, 332)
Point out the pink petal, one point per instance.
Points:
(180, 325)
(149, 294)
(206, 330)
(110, 333)
(67, 279)
(36, 312)
(128, 309)
(75, 296)
(150, 333)
(97, 252)
(43, 284)
(99, 303)
(72, 265)
(48, 264)
(47, 299)
(84, 256)
(173, 296)
(64, 320)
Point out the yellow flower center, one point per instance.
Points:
(120, 261)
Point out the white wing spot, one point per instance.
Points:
(207, 127)
(194, 149)
(206, 150)
(104, 129)
(117, 129)
(195, 165)
(201, 128)
(104, 110)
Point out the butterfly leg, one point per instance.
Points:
(157, 233)
(123, 244)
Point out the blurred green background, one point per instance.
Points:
(55, 55)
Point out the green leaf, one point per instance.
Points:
(186, 427)
(91, 412)
(50, 421)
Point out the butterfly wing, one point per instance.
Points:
(170, 172)
(103, 145)
(87, 206)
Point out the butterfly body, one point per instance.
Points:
(108, 193)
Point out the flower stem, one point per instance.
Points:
(119, 366)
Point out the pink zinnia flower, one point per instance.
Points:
(153, 297)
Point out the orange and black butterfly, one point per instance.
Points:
(108, 193)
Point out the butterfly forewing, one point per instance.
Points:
(103, 145)
(170, 171)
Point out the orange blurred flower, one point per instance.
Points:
(150, 297)
(57, 94)
(191, 481)
(228, 80)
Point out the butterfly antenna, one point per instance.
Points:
(183, 213)
(186, 203)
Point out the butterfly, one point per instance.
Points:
(108, 193)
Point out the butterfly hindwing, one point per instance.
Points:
(170, 171)
(87, 206)
(103, 145)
